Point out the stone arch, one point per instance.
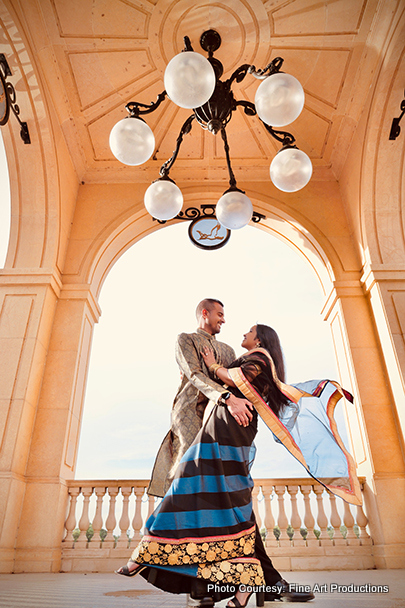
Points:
(382, 196)
(42, 197)
(383, 163)
(43, 190)
(120, 234)
(346, 307)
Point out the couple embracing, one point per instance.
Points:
(203, 539)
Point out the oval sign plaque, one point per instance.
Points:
(208, 233)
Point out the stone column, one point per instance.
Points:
(27, 307)
(377, 442)
(385, 288)
(54, 440)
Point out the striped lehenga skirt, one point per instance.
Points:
(204, 528)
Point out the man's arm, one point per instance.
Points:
(189, 361)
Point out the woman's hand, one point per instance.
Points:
(208, 356)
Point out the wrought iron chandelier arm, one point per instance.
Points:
(272, 68)
(283, 136)
(239, 74)
(232, 179)
(134, 107)
(186, 128)
(287, 139)
(248, 106)
(187, 44)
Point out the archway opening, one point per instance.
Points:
(149, 297)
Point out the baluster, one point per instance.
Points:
(70, 523)
(348, 520)
(297, 540)
(284, 540)
(151, 506)
(335, 521)
(124, 521)
(98, 517)
(255, 494)
(84, 522)
(271, 540)
(322, 520)
(137, 520)
(111, 520)
(309, 520)
(362, 522)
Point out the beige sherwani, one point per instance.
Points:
(195, 390)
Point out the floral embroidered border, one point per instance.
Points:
(169, 552)
(237, 572)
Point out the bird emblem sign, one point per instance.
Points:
(208, 233)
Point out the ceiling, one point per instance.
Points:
(96, 55)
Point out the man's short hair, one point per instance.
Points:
(207, 304)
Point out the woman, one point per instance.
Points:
(204, 529)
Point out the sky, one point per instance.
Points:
(148, 298)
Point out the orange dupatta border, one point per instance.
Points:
(352, 496)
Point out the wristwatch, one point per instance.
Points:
(224, 397)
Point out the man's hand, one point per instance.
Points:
(239, 408)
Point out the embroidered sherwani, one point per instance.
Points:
(196, 389)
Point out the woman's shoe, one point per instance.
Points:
(237, 604)
(124, 570)
(286, 593)
(259, 599)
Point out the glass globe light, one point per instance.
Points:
(163, 199)
(131, 141)
(290, 170)
(234, 210)
(279, 100)
(189, 80)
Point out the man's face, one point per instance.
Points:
(214, 319)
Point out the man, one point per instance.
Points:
(196, 389)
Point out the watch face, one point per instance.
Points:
(208, 233)
(4, 105)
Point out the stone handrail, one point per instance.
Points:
(299, 516)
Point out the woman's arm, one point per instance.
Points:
(218, 370)
(238, 408)
(222, 374)
(250, 369)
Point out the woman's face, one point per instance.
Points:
(250, 339)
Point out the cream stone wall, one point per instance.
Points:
(76, 210)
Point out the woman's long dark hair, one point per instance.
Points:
(272, 394)
(271, 342)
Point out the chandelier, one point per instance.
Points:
(193, 82)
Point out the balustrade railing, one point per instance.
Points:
(297, 516)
